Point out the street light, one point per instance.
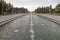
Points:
(50, 9)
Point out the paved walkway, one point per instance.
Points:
(51, 16)
(4, 18)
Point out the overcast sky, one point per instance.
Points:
(32, 4)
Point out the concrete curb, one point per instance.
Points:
(50, 19)
(9, 20)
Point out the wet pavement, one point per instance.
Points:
(19, 29)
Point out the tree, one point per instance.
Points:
(9, 8)
(42, 10)
(20, 10)
(0, 7)
(5, 8)
(57, 9)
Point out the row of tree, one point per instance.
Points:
(9, 9)
(48, 9)
(20, 10)
(5, 8)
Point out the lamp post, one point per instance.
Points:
(50, 8)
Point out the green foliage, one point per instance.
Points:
(1, 7)
(49, 10)
(20, 10)
(9, 9)
(42, 10)
(5, 8)
(57, 8)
